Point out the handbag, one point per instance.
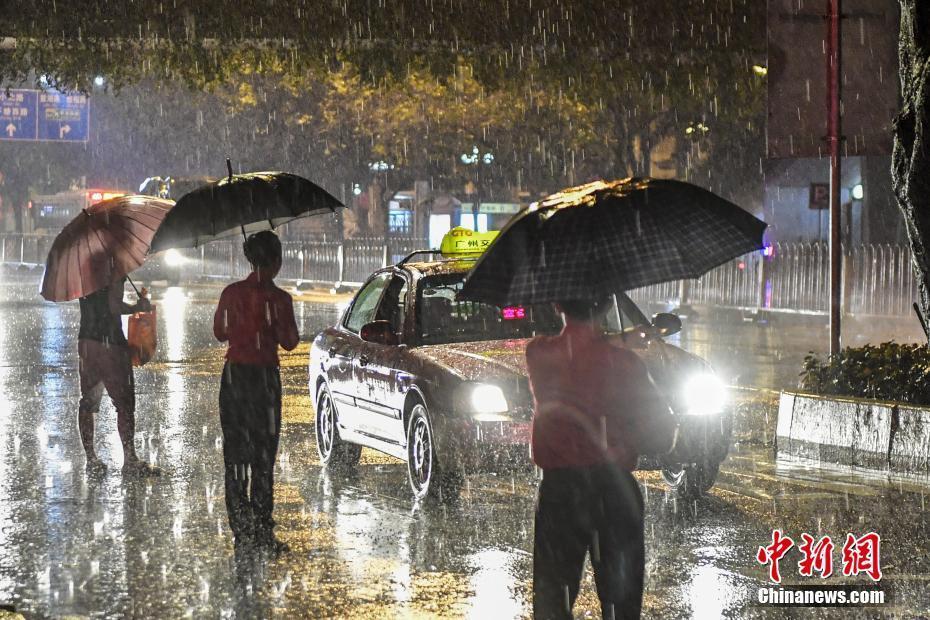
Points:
(143, 336)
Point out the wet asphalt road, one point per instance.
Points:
(118, 547)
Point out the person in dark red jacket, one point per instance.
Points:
(255, 317)
(595, 409)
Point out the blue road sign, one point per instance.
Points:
(18, 119)
(64, 118)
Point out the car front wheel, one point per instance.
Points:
(426, 477)
(332, 450)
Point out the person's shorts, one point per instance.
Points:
(106, 366)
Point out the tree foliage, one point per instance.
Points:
(420, 124)
(193, 40)
(558, 92)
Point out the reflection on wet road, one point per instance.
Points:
(360, 546)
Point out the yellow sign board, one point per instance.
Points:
(462, 242)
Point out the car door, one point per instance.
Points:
(345, 353)
(379, 366)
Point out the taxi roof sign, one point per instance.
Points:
(461, 241)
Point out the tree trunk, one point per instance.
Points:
(911, 156)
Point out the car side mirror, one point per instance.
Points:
(379, 332)
(666, 324)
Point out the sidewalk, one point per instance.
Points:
(315, 293)
(319, 295)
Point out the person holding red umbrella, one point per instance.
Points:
(106, 362)
(89, 260)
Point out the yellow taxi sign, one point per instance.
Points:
(461, 241)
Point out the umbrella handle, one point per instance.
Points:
(133, 286)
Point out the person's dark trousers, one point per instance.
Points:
(596, 510)
(250, 414)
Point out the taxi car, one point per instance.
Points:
(441, 384)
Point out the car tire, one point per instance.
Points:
(692, 481)
(427, 479)
(708, 475)
(333, 452)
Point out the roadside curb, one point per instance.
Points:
(910, 450)
(879, 435)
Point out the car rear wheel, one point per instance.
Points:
(426, 477)
(691, 481)
(332, 450)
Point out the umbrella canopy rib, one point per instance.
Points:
(127, 249)
(129, 228)
(72, 264)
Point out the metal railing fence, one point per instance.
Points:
(792, 277)
(24, 248)
(795, 277)
(318, 262)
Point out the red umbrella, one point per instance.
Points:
(104, 243)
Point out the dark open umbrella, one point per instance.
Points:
(606, 237)
(104, 242)
(241, 204)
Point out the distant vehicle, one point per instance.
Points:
(441, 384)
(172, 187)
(168, 266)
(52, 212)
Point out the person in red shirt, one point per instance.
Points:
(254, 316)
(595, 409)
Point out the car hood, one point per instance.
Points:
(506, 359)
(478, 361)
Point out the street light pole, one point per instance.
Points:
(476, 159)
(476, 203)
(834, 137)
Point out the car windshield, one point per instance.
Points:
(443, 319)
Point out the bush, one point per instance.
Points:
(890, 371)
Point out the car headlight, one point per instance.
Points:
(704, 394)
(173, 258)
(486, 399)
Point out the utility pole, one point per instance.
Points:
(834, 136)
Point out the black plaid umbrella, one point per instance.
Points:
(241, 204)
(606, 237)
